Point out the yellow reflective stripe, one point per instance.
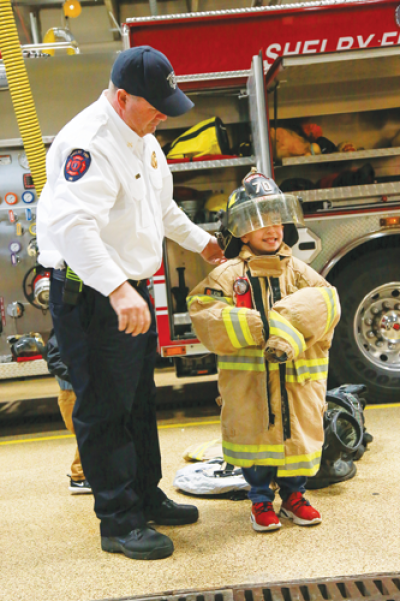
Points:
(301, 465)
(303, 458)
(274, 455)
(283, 473)
(246, 359)
(245, 327)
(307, 369)
(304, 369)
(303, 378)
(198, 452)
(319, 376)
(310, 362)
(238, 330)
(241, 366)
(226, 318)
(254, 448)
(330, 298)
(249, 352)
(279, 326)
(208, 299)
(250, 462)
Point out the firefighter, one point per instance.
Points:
(102, 217)
(269, 318)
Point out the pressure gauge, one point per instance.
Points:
(28, 196)
(14, 247)
(23, 160)
(11, 198)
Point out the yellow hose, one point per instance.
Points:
(21, 96)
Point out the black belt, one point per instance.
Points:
(138, 283)
(60, 274)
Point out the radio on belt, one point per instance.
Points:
(241, 288)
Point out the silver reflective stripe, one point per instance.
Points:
(290, 331)
(240, 359)
(332, 304)
(301, 464)
(293, 370)
(238, 328)
(254, 455)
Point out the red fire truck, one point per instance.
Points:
(334, 66)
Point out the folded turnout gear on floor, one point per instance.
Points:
(204, 451)
(212, 477)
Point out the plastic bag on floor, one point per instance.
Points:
(210, 478)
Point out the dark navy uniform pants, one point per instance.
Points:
(112, 374)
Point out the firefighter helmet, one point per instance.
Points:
(256, 204)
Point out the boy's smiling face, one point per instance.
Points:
(265, 241)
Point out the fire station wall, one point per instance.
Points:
(92, 29)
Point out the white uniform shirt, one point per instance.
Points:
(109, 224)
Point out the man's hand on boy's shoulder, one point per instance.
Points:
(212, 252)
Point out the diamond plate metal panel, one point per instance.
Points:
(338, 231)
(21, 370)
(233, 11)
(216, 164)
(348, 192)
(341, 156)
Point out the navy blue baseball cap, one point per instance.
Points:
(146, 72)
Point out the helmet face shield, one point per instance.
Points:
(263, 211)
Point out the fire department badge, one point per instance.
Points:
(154, 162)
(77, 164)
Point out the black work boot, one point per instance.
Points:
(169, 513)
(141, 543)
(332, 473)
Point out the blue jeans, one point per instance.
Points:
(63, 384)
(260, 477)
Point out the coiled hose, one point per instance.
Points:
(21, 95)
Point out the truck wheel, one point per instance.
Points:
(366, 345)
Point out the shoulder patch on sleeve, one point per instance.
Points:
(213, 292)
(77, 164)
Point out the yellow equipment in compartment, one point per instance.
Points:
(206, 138)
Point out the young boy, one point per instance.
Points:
(66, 401)
(270, 319)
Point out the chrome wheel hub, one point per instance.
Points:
(377, 326)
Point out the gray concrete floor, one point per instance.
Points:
(49, 540)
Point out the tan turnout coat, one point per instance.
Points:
(272, 373)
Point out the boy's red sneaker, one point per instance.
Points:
(263, 517)
(298, 509)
